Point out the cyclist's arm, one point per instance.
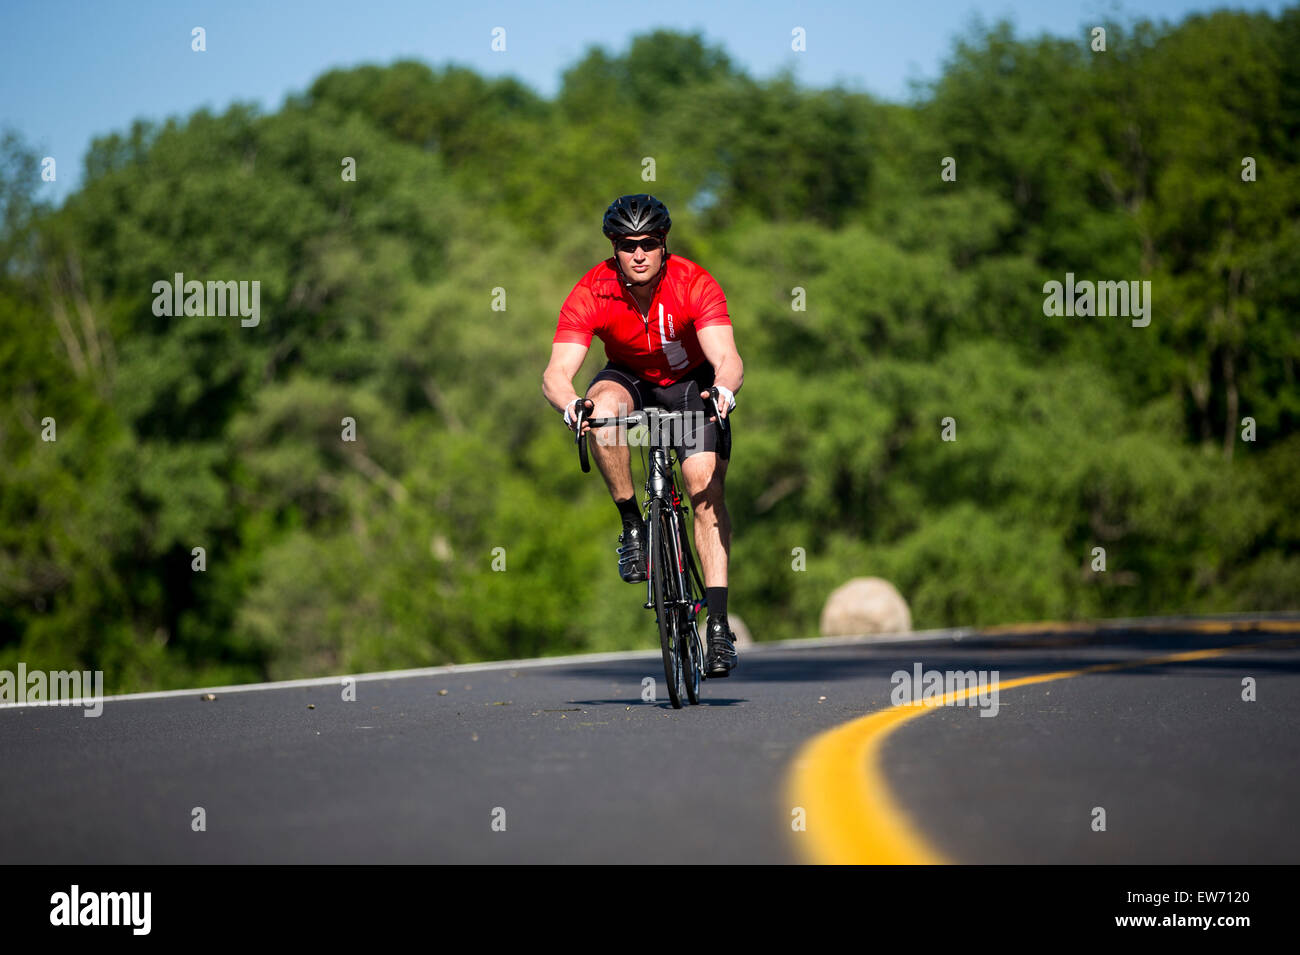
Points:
(557, 380)
(719, 345)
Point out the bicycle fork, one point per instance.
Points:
(660, 487)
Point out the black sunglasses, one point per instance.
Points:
(650, 244)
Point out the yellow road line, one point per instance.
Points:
(852, 818)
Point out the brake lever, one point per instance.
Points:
(714, 395)
(580, 412)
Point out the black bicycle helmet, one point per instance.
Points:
(637, 215)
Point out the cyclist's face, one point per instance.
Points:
(639, 266)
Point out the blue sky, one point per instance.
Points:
(71, 71)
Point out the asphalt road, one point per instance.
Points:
(566, 763)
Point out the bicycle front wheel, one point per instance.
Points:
(663, 572)
(692, 654)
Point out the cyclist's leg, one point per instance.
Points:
(614, 394)
(704, 474)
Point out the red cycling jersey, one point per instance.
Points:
(660, 346)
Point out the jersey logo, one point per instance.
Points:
(674, 351)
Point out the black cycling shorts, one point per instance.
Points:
(697, 433)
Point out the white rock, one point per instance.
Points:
(865, 605)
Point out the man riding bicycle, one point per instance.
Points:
(668, 340)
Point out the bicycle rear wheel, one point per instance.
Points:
(664, 574)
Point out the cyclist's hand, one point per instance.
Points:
(586, 405)
(726, 401)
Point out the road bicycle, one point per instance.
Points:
(674, 587)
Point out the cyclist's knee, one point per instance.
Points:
(704, 479)
(611, 399)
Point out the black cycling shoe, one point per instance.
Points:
(631, 552)
(721, 658)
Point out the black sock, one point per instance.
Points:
(628, 510)
(717, 601)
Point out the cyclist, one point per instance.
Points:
(668, 340)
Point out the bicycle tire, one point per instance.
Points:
(688, 627)
(693, 661)
(666, 609)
